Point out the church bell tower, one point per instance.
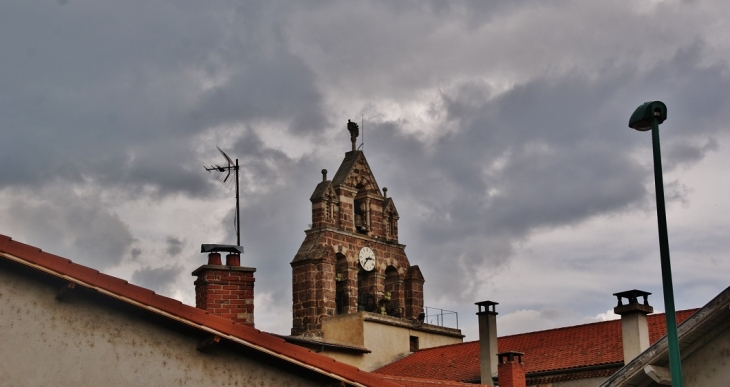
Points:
(350, 260)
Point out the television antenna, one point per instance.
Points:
(223, 174)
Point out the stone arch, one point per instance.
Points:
(343, 288)
(342, 250)
(361, 210)
(367, 296)
(393, 285)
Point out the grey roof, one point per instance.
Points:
(316, 341)
(345, 167)
(213, 248)
(389, 202)
(320, 189)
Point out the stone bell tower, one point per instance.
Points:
(350, 260)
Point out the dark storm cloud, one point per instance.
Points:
(270, 88)
(158, 279)
(82, 87)
(117, 93)
(547, 153)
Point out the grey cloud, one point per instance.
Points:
(174, 246)
(685, 152)
(125, 105)
(546, 153)
(269, 89)
(78, 227)
(159, 279)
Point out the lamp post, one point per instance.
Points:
(648, 117)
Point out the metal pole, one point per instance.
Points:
(675, 361)
(238, 211)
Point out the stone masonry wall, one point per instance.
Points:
(315, 277)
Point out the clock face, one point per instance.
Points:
(367, 258)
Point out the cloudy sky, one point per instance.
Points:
(499, 128)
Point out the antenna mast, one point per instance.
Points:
(223, 174)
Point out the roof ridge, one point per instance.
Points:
(654, 315)
(545, 330)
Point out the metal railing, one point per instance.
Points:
(440, 317)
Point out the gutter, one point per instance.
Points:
(574, 370)
(563, 371)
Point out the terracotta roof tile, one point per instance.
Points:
(554, 349)
(238, 333)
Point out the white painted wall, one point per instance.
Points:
(710, 364)
(387, 337)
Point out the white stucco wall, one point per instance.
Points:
(81, 342)
(387, 337)
(710, 364)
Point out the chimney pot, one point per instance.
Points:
(487, 340)
(633, 305)
(214, 259)
(233, 260)
(634, 326)
(511, 370)
(484, 307)
(324, 175)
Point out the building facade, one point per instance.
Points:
(350, 260)
(356, 296)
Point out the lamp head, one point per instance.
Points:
(644, 115)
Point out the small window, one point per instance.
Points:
(414, 343)
(361, 216)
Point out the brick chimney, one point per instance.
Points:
(634, 327)
(511, 370)
(487, 340)
(225, 290)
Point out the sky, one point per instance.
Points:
(499, 128)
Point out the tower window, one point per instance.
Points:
(361, 216)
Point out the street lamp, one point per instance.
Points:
(648, 116)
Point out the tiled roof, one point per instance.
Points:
(596, 344)
(197, 318)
